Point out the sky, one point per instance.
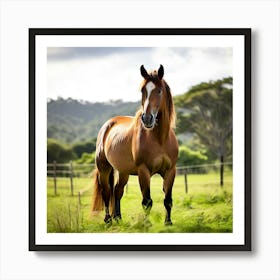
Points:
(100, 74)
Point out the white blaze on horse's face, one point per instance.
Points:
(150, 86)
(151, 105)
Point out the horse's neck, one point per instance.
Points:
(160, 131)
(162, 128)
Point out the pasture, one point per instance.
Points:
(206, 207)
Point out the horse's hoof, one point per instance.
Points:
(147, 211)
(118, 218)
(147, 205)
(108, 219)
(168, 223)
(147, 223)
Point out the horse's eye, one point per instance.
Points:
(159, 91)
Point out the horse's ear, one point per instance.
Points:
(160, 72)
(144, 73)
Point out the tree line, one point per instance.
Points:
(62, 152)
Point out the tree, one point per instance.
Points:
(209, 116)
(84, 147)
(59, 152)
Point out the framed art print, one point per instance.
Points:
(140, 139)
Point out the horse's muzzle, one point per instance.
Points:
(148, 120)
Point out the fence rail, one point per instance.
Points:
(72, 170)
(202, 165)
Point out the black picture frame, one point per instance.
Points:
(246, 32)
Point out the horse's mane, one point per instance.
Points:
(170, 106)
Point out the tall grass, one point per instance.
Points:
(206, 207)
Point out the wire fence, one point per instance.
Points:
(73, 170)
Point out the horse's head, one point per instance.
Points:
(152, 89)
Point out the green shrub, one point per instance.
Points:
(84, 147)
(190, 157)
(86, 158)
(59, 152)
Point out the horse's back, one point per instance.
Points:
(108, 125)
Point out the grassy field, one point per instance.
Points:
(205, 208)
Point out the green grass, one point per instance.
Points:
(205, 208)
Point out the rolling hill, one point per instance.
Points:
(71, 120)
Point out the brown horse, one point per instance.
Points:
(142, 145)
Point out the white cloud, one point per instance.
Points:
(100, 75)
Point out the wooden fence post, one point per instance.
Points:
(186, 181)
(79, 198)
(71, 177)
(54, 177)
(221, 171)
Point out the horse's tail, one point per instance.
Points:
(97, 199)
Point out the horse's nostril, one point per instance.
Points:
(147, 119)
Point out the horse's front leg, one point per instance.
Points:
(144, 178)
(168, 180)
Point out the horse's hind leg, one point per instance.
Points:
(118, 193)
(105, 179)
(168, 180)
